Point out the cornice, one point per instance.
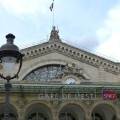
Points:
(74, 88)
(72, 52)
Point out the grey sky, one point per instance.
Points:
(88, 24)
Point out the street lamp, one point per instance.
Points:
(11, 61)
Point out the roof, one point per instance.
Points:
(56, 45)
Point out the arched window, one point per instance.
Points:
(12, 112)
(103, 112)
(37, 116)
(38, 111)
(45, 73)
(66, 116)
(71, 112)
(97, 116)
(11, 116)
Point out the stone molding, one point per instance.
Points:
(75, 53)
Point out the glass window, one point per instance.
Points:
(37, 116)
(66, 116)
(45, 73)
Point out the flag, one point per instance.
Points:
(51, 6)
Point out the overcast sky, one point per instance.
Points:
(93, 25)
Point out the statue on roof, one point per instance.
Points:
(54, 36)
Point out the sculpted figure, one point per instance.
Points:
(54, 34)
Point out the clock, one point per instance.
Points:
(70, 81)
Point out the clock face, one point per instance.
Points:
(70, 81)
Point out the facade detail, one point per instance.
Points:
(46, 73)
(76, 71)
(60, 82)
(54, 36)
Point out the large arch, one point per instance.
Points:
(38, 111)
(13, 115)
(45, 73)
(71, 112)
(103, 111)
(38, 64)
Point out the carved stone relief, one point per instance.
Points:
(53, 72)
(72, 69)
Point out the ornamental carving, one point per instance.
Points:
(54, 71)
(72, 69)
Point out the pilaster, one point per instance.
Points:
(88, 117)
(55, 116)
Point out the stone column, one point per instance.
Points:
(55, 116)
(20, 115)
(117, 118)
(88, 117)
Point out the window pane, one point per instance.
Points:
(44, 73)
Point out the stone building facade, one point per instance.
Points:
(61, 82)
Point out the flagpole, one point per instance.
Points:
(53, 13)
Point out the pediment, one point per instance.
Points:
(71, 52)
